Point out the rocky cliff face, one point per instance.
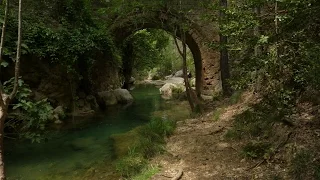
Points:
(52, 81)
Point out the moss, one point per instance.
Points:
(123, 141)
(171, 110)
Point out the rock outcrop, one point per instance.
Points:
(117, 96)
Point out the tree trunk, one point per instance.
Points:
(3, 106)
(3, 116)
(192, 97)
(184, 69)
(17, 65)
(224, 56)
(5, 99)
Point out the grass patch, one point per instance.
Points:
(254, 150)
(217, 113)
(151, 140)
(146, 173)
(131, 164)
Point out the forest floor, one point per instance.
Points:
(199, 148)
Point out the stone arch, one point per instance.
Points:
(198, 36)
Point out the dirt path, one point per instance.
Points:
(201, 150)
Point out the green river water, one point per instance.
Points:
(79, 147)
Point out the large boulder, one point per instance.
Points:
(178, 73)
(169, 89)
(108, 98)
(123, 96)
(166, 90)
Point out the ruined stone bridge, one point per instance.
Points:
(179, 14)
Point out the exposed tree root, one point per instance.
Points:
(178, 176)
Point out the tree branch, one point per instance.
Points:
(176, 42)
(17, 65)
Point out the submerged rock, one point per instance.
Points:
(82, 143)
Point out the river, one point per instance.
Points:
(70, 151)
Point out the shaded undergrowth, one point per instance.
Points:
(305, 164)
(264, 129)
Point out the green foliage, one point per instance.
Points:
(146, 173)
(23, 89)
(155, 50)
(63, 32)
(28, 117)
(255, 150)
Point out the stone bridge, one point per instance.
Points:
(179, 14)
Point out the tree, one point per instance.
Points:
(5, 99)
(191, 95)
(224, 56)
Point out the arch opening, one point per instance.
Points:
(193, 52)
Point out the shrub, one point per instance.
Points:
(28, 116)
(255, 149)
